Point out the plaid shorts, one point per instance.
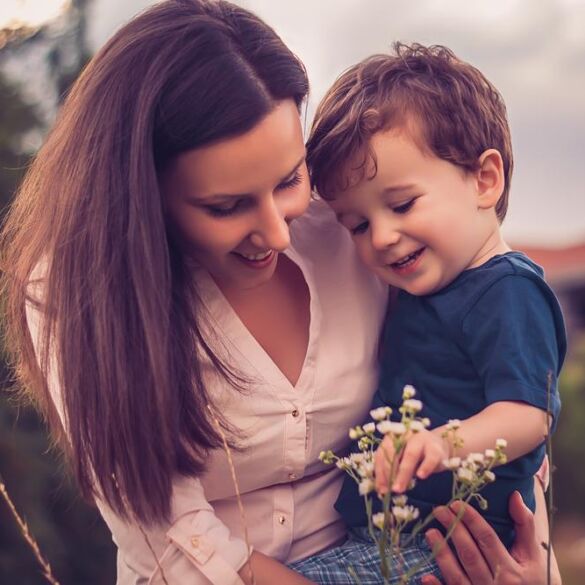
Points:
(360, 553)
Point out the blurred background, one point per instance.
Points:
(533, 53)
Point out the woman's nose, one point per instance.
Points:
(272, 231)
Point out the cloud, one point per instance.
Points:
(535, 55)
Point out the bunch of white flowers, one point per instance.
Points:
(470, 474)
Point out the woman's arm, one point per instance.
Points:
(481, 557)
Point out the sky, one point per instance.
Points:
(534, 52)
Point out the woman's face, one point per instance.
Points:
(231, 202)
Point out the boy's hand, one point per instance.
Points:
(424, 454)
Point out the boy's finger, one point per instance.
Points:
(429, 463)
(408, 464)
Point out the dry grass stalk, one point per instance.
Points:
(147, 540)
(47, 573)
(158, 565)
(237, 488)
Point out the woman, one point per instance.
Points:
(180, 292)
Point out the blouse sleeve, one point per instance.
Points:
(194, 547)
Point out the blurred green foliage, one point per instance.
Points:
(569, 439)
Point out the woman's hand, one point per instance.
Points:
(481, 557)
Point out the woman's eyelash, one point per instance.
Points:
(223, 211)
(292, 182)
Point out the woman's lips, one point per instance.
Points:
(259, 260)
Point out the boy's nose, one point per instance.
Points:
(384, 235)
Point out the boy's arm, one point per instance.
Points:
(523, 426)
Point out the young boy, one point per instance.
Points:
(413, 153)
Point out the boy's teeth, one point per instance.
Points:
(407, 259)
(256, 257)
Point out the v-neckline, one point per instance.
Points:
(234, 330)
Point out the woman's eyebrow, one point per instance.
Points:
(216, 197)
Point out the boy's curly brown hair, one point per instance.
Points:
(447, 105)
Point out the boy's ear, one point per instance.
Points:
(490, 178)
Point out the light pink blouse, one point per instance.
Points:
(287, 493)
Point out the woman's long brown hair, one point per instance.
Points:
(119, 311)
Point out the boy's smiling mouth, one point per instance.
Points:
(407, 261)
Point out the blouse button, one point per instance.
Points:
(281, 519)
(194, 542)
(295, 413)
(292, 475)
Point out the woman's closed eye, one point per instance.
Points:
(230, 208)
(291, 182)
(226, 209)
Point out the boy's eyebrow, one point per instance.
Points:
(220, 196)
(397, 189)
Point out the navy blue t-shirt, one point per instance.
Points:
(493, 334)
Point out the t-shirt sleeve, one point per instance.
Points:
(514, 335)
(194, 547)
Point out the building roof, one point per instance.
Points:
(562, 266)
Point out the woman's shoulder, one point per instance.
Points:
(325, 248)
(319, 225)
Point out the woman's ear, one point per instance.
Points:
(490, 178)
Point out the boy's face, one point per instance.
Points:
(418, 223)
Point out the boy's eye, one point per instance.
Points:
(404, 207)
(359, 229)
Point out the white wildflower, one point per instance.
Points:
(489, 476)
(344, 463)
(366, 486)
(465, 475)
(400, 500)
(476, 458)
(366, 469)
(394, 428)
(408, 392)
(453, 424)
(490, 454)
(412, 405)
(358, 458)
(378, 520)
(426, 422)
(452, 463)
(378, 414)
(501, 443)
(405, 513)
(369, 428)
(416, 426)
